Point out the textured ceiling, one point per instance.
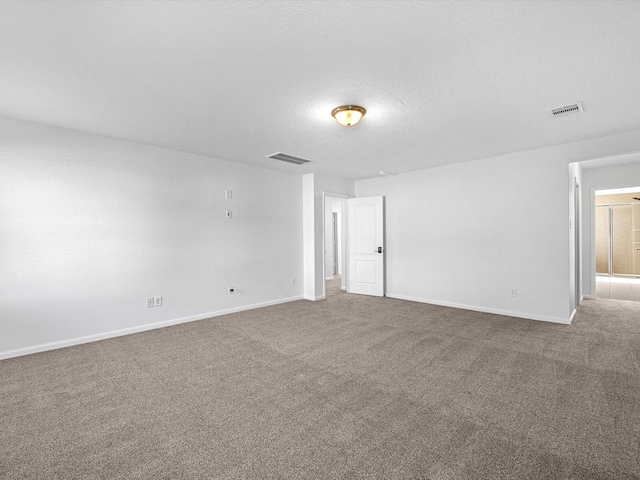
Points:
(442, 82)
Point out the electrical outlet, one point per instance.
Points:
(228, 214)
(293, 282)
(231, 290)
(514, 292)
(150, 302)
(157, 301)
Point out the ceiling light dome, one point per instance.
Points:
(348, 115)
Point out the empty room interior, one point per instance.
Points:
(320, 239)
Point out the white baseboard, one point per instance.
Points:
(508, 313)
(142, 328)
(573, 314)
(314, 299)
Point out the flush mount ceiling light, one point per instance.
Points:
(348, 115)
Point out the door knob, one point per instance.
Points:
(379, 250)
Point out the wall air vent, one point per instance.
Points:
(566, 110)
(283, 157)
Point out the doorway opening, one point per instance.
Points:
(362, 266)
(617, 243)
(334, 244)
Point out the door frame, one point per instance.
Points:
(577, 235)
(337, 251)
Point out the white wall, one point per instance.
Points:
(91, 226)
(613, 176)
(309, 236)
(466, 234)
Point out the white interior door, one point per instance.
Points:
(366, 246)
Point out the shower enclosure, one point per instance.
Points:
(618, 234)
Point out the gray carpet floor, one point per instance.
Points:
(347, 388)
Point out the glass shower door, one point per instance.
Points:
(622, 239)
(603, 233)
(618, 240)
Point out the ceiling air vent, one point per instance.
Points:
(566, 110)
(283, 157)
